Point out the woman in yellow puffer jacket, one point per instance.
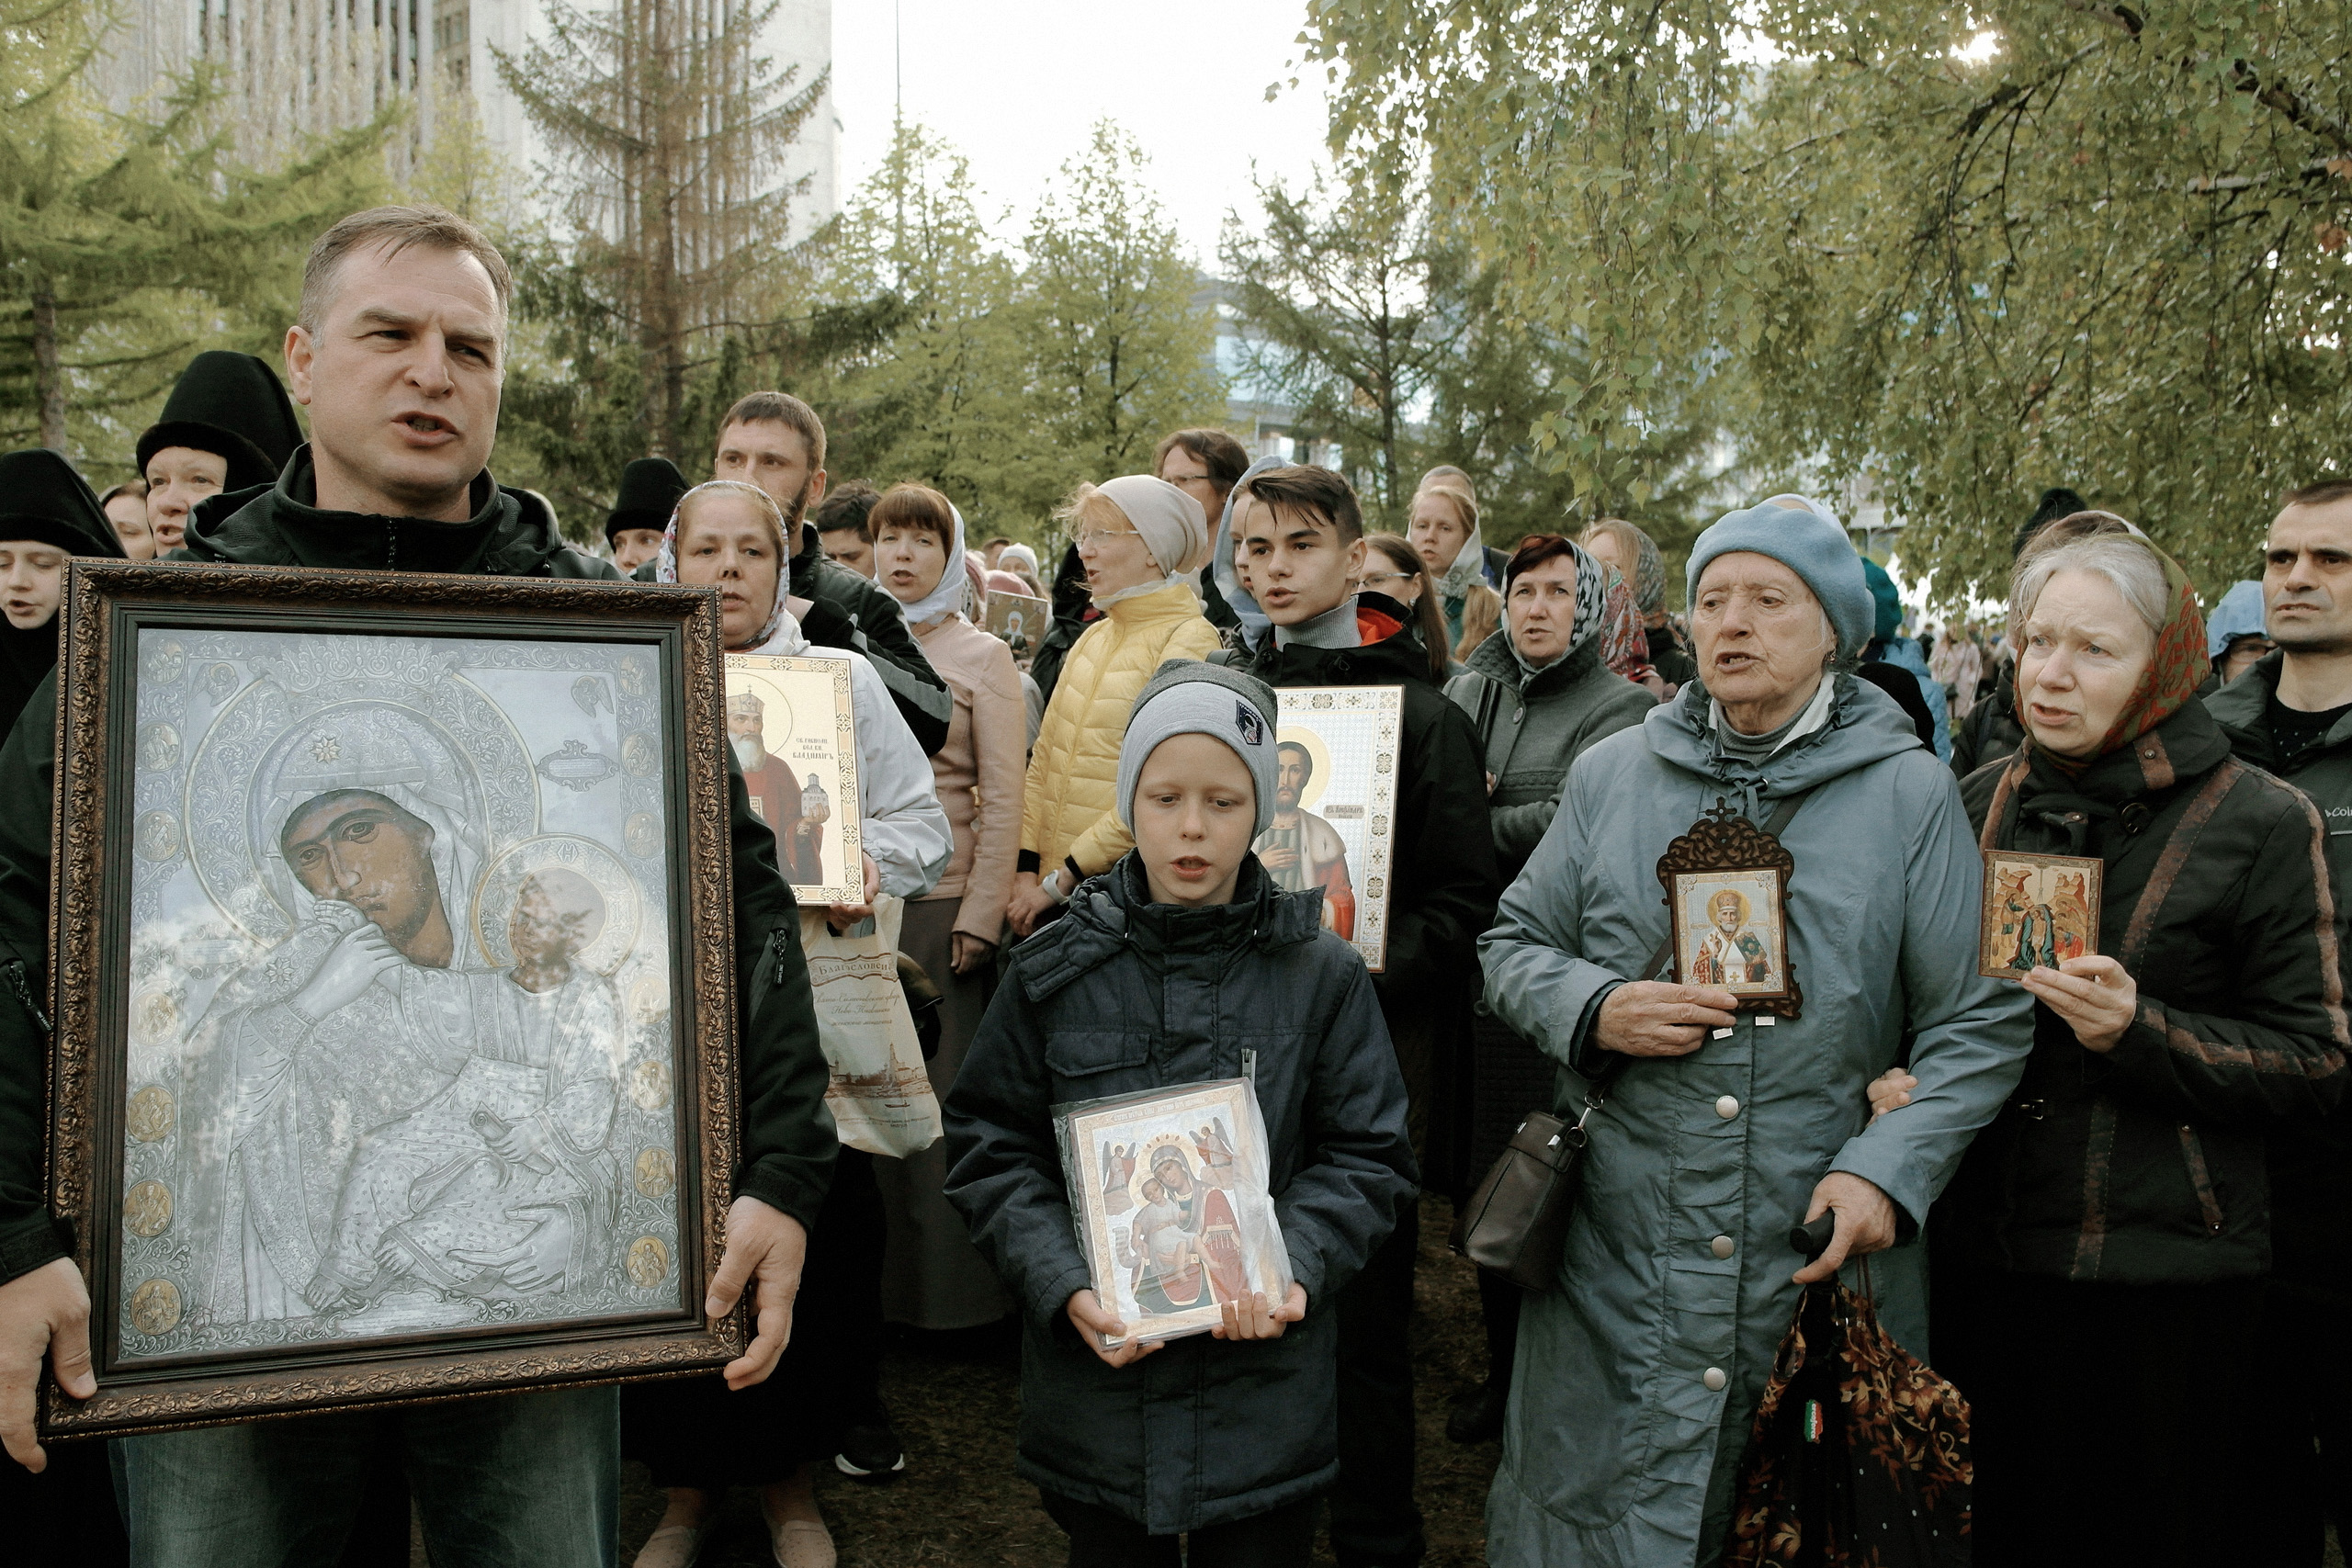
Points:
(1135, 534)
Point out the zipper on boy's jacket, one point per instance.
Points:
(17, 983)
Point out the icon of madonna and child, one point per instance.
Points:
(390, 1133)
(1179, 1221)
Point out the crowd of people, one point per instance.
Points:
(2105, 1199)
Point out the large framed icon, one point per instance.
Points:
(395, 1052)
(1335, 806)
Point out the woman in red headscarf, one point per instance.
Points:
(2101, 1254)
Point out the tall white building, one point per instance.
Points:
(298, 68)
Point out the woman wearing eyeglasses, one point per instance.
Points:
(1135, 535)
(1392, 567)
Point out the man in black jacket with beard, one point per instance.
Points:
(2292, 714)
(1303, 536)
(776, 442)
(399, 352)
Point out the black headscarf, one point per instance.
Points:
(42, 498)
(231, 405)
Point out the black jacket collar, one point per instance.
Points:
(1393, 660)
(283, 525)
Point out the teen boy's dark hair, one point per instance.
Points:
(1304, 487)
(846, 510)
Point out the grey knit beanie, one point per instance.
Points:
(1801, 535)
(1186, 697)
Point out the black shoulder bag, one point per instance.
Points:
(1515, 1224)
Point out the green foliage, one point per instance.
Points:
(127, 244)
(1341, 292)
(935, 395)
(1003, 378)
(2110, 252)
(1119, 345)
(676, 272)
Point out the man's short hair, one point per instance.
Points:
(1305, 755)
(846, 509)
(2326, 493)
(135, 489)
(1305, 487)
(395, 229)
(993, 541)
(1220, 454)
(785, 410)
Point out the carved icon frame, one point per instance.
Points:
(653, 987)
(1723, 855)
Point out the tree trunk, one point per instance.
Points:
(48, 376)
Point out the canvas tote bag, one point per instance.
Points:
(880, 1095)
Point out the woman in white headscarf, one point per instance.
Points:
(932, 1276)
(1444, 531)
(1136, 537)
(825, 1401)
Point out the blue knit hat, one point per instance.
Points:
(1804, 536)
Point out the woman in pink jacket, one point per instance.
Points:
(931, 1276)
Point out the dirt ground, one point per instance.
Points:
(960, 1503)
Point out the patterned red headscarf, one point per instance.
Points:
(2175, 670)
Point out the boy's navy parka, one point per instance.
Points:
(1119, 995)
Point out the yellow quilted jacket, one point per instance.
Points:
(1072, 796)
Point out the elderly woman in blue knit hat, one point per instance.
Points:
(1639, 1369)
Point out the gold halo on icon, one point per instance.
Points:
(1320, 778)
(154, 1308)
(150, 1114)
(657, 1173)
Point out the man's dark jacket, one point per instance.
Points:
(877, 628)
(1073, 603)
(2144, 1165)
(789, 1140)
(1443, 874)
(846, 610)
(1122, 996)
(2311, 1169)
(1991, 730)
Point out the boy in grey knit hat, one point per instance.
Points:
(1184, 964)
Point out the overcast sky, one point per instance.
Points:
(1017, 83)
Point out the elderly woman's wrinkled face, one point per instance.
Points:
(728, 541)
(1763, 636)
(2080, 655)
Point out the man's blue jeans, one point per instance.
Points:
(513, 1480)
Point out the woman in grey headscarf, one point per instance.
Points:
(1539, 693)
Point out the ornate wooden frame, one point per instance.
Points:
(2090, 867)
(1724, 841)
(106, 605)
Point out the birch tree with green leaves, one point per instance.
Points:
(1965, 253)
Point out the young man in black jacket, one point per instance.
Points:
(398, 351)
(2291, 715)
(1303, 538)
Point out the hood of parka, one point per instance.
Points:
(1864, 725)
(1108, 911)
(282, 524)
